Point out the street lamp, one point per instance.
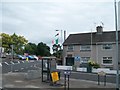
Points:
(117, 66)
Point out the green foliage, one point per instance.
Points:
(93, 64)
(56, 48)
(21, 45)
(58, 54)
(17, 41)
(31, 48)
(57, 51)
(6, 41)
(96, 66)
(43, 49)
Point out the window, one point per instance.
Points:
(85, 47)
(107, 60)
(70, 48)
(107, 46)
(85, 59)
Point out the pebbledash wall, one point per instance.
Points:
(119, 15)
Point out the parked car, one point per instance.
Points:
(36, 58)
(22, 57)
(32, 57)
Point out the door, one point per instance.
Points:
(69, 61)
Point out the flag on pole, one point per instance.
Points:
(56, 41)
(52, 41)
(57, 34)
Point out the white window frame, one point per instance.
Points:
(107, 45)
(70, 48)
(82, 61)
(107, 58)
(85, 48)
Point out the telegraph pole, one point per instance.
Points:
(117, 66)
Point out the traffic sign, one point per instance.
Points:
(77, 58)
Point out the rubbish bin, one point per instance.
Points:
(89, 68)
(74, 68)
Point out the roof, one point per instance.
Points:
(85, 38)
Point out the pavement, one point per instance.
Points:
(18, 80)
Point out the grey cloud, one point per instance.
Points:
(38, 21)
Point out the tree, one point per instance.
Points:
(31, 48)
(6, 41)
(17, 41)
(43, 49)
(58, 54)
(57, 50)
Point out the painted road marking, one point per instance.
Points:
(22, 68)
(18, 81)
(6, 63)
(12, 62)
(16, 70)
(0, 64)
(18, 61)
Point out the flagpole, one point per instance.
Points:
(61, 39)
(117, 66)
(91, 43)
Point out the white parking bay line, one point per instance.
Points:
(0, 64)
(18, 61)
(6, 63)
(18, 81)
(23, 61)
(16, 70)
(12, 62)
(22, 68)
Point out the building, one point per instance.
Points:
(119, 15)
(99, 46)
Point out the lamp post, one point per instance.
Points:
(117, 66)
(12, 54)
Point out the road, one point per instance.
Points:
(24, 66)
(20, 66)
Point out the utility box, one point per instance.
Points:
(48, 66)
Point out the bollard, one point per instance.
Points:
(68, 82)
(65, 82)
(98, 79)
(102, 74)
(66, 75)
(104, 80)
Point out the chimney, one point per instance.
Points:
(99, 29)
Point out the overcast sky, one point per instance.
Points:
(37, 20)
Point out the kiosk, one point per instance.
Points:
(48, 67)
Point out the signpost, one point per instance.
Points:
(66, 75)
(77, 58)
